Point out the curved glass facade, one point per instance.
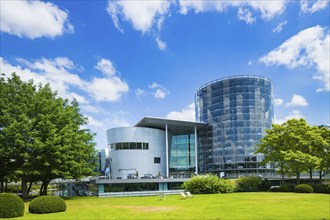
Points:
(238, 109)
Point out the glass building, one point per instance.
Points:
(237, 110)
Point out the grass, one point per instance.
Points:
(215, 206)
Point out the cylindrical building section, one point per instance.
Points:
(136, 150)
(238, 110)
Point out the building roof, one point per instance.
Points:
(173, 126)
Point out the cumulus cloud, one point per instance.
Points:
(95, 123)
(308, 47)
(308, 6)
(148, 16)
(140, 93)
(141, 14)
(110, 88)
(267, 9)
(161, 44)
(294, 114)
(106, 67)
(59, 74)
(245, 15)
(160, 91)
(185, 114)
(33, 19)
(279, 27)
(56, 72)
(278, 102)
(297, 100)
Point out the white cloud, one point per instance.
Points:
(108, 89)
(297, 100)
(33, 19)
(90, 108)
(308, 47)
(245, 14)
(106, 67)
(58, 73)
(278, 102)
(140, 93)
(250, 62)
(294, 114)
(95, 123)
(161, 44)
(141, 14)
(161, 92)
(154, 85)
(279, 27)
(267, 9)
(185, 114)
(308, 6)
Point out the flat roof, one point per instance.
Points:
(174, 126)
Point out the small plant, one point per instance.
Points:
(47, 204)
(303, 188)
(11, 205)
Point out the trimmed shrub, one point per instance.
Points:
(303, 188)
(208, 184)
(321, 188)
(227, 186)
(11, 205)
(249, 184)
(47, 204)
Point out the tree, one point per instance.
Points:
(295, 147)
(43, 135)
(272, 146)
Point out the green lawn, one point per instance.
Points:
(216, 206)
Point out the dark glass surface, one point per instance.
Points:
(238, 110)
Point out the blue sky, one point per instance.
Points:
(123, 60)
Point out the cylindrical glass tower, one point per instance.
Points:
(238, 109)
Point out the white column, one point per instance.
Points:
(196, 153)
(166, 144)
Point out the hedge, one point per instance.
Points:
(303, 188)
(11, 205)
(47, 204)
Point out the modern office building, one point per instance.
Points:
(231, 116)
(237, 110)
(154, 147)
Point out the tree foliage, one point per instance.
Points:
(42, 136)
(295, 147)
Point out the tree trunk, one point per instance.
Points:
(6, 185)
(298, 178)
(320, 177)
(283, 180)
(24, 188)
(310, 175)
(28, 190)
(1, 187)
(43, 189)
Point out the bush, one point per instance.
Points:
(11, 205)
(47, 204)
(227, 186)
(208, 184)
(303, 188)
(249, 184)
(321, 188)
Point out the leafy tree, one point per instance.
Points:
(295, 147)
(43, 135)
(272, 146)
